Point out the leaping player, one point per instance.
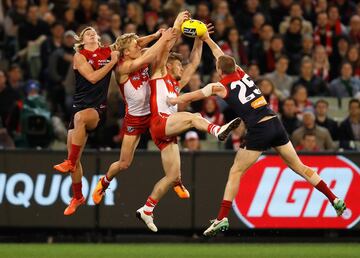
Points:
(168, 78)
(133, 78)
(264, 130)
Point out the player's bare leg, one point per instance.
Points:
(182, 121)
(128, 147)
(84, 120)
(170, 157)
(243, 160)
(289, 155)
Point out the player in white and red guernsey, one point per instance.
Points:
(168, 78)
(133, 78)
(264, 131)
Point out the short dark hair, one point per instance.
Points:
(227, 64)
(308, 134)
(354, 101)
(173, 56)
(322, 101)
(288, 99)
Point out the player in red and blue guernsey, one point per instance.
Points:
(264, 130)
(92, 65)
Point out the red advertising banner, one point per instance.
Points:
(271, 195)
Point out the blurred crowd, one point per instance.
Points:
(296, 51)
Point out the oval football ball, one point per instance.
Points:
(193, 28)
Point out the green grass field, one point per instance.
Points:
(152, 250)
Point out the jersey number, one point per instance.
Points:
(244, 84)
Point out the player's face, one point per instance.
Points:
(90, 37)
(134, 49)
(177, 69)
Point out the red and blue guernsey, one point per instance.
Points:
(87, 94)
(244, 98)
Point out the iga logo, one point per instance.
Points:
(271, 195)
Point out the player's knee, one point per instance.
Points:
(78, 119)
(124, 164)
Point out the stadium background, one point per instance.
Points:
(306, 50)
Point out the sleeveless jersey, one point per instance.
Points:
(161, 89)
(136, 92)
(87, 94)
(244, 98)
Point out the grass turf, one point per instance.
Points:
(151, 250)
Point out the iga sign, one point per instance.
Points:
(21, 189)
(271, 195)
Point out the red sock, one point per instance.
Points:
(149, 206)
(74, 153)
(212, 128)
(76, 188)
(105, 181)
(224, 209)
(322, 187)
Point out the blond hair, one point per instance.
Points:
(79, 39)
(123, 42)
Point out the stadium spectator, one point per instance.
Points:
(307, 46)
(244, 17)
(115, 27)
(322, 118)
(202, 12)
(8, 98)
(194, 84)
(270, 92)
(338, 56)
(308, 143)
(150, 23)
(258, 51)
(15, 79)
(346, 8)
(86, 12)
(303, 104)
(296, 12)
(15, 16)
(308, 8)
(220, 30)
(354, 29)
(192, 142)
(280, 78)
(103, 17)
(234, 46)
(323, 34)
(253, 71)
(279, 12)
(293, 43)
(353, 57)
(323, 138)
(211, 112)
(59, 64)
(184, 50)
(45, 7)
(321, 63)
(252, 36)
(336, 26)
(69, 20)
(236, 138)
(349, 129)
(221, 11)
(288, 116)
(345, 85)
(314, 85)
(51, 44)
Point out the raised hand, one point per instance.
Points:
(169, 34)
(115, 56)
(182, 16)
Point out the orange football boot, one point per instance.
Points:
(74, 204)
(181, 191)
(98, 192)
(65, 167)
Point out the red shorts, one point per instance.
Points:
(157, 130)
(135, 125)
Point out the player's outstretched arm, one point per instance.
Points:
(86, 70)
(195, 58)
(144, 41)
(149, 55)
(214, 88)
(215, 49)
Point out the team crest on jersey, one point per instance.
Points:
(91, 61)
(135, 78)
(130, 129)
